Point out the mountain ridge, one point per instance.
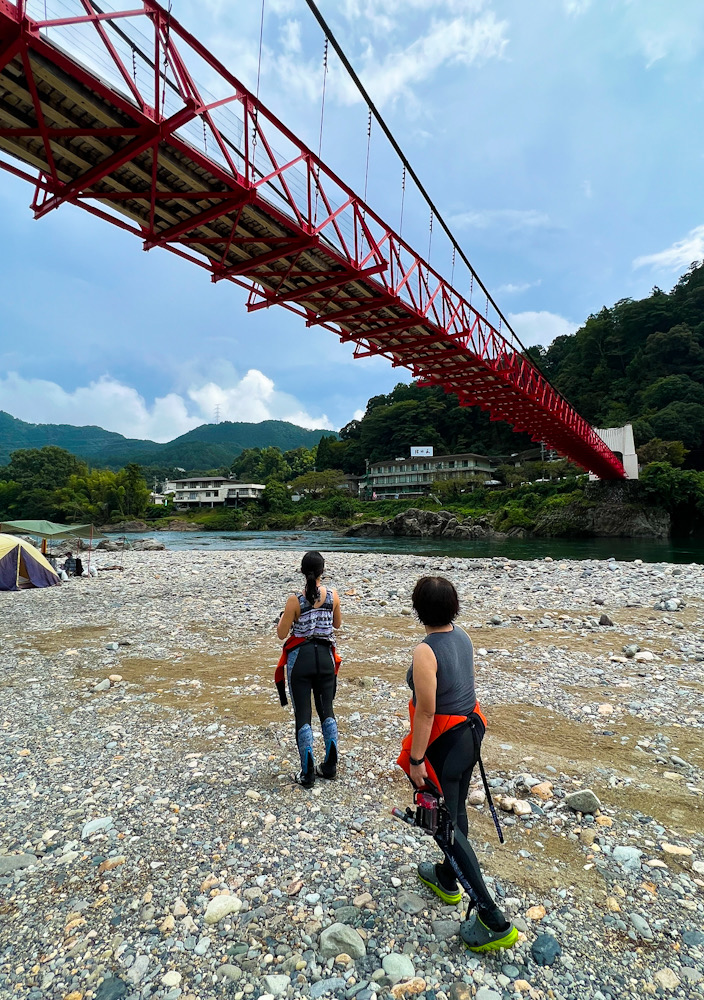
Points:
(205, 447)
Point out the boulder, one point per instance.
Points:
(124, 527)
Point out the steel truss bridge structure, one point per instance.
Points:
(101, 109)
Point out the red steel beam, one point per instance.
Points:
(360, 250)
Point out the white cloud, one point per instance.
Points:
(358, 414)
(460, 40)
(512, 289)
(576, 7)
(117, 407)
(677, 256)
(540, 327)
(509, 219)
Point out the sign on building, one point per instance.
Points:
(421, 452)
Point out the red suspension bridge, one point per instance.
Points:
(101, 109)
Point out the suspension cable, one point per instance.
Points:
(403, 199)
(416, 179)
(259, 76)
(166, 60)
(369, 143)
(320, 137)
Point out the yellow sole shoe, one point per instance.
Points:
(427, 875)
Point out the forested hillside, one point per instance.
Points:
(206, 447)
(638, 361)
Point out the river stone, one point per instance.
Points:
(111, 989)
(339, 938)
(96, 825)
(583, 801)
(231, 972)
(13, 862)
(694, 939)
(641, 926)
(545, 949)
(460, 991)
(410, 902)
(484, 993)
(667, 979)
(397, 967)
(276, 985)
(444, 929)
(326, 985)
(136, 972)
(628, 857)
(221, 906)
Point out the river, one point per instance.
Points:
(649, 550)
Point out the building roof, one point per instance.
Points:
(430, 458)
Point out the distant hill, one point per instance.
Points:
(206, 447)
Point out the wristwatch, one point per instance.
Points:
(417, 763)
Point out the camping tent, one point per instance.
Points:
(49, 529)
(21, 565)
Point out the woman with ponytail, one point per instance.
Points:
(310, 662)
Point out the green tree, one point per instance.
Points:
(276, 497)
(44, 468)
(656, 450)
(300, 460)
(318, 484)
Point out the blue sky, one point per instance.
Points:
(560, 139)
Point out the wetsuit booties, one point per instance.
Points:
(429, 875)
(477, 936)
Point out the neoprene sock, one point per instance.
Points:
(494, 919)
(330, 737)
(446, 879)
(304, 738)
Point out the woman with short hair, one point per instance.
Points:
(311, 662)
(447, 727)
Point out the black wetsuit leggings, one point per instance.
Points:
(314, 670)
(453, 756)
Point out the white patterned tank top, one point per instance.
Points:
(314, 621)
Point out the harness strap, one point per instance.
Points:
(490, 801)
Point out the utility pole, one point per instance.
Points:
(217, 413)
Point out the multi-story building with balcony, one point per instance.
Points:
(211, 491)
(415, 476)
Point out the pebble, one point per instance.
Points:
(584, 801)
(667, 979)
(278, 985)
(190, 764)
(340, 937)
(398, 967)
(410, 902)
(222, 906)
(545, 949)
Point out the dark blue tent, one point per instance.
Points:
(21, 565)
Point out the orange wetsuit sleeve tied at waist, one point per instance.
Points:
(441, 724)
(280, 672)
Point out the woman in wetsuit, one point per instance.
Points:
(441, 678)
(310, 617)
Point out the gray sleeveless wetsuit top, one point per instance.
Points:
(455, 656)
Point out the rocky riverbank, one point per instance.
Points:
(152, 843)
(577, 520)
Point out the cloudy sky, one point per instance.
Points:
(558, 137)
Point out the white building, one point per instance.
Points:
(211, 491)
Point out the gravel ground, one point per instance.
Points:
(152, 843)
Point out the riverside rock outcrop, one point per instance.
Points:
(603, 520)
(418, 523)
